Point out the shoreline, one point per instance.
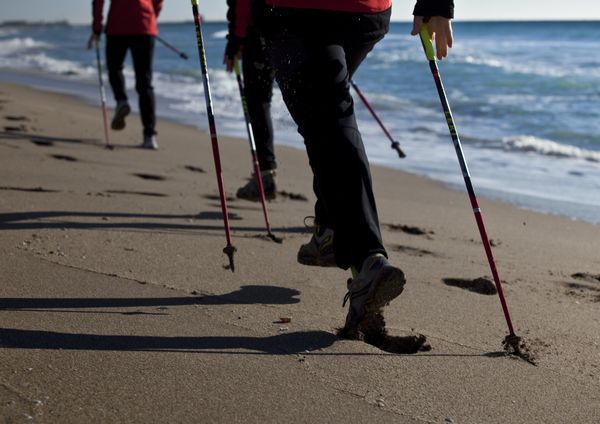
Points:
(583, 212)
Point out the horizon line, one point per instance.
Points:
(471, 20)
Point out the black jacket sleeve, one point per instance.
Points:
(233, 41)
(443, 8)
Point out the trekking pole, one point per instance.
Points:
(229, 250)
(261, 191)
(102, 96)
(180, 53)
(395, 144)
(512, 340)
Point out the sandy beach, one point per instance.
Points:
(115, 304)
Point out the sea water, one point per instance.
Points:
(525, 98)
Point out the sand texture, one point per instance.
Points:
(115, 304)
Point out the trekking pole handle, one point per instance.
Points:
(426, 41)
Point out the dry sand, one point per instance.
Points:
(115, 305)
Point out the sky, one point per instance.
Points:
(79, 11)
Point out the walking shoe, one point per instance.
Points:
(121, 111)
(319, 250)
(375, 286)
(149, 142)
(251, 192)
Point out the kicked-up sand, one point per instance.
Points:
(116, 304)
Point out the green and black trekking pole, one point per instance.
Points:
(102, 95)
(175, 50)
(229, 250)
(395, 144)
(512, 340)
(257, 174)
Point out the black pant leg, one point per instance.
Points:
(259, 77)
(116, 49)
(313, 76)
(142, 52)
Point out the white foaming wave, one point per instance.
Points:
(220, 34)
(5, 32)
(527, 143)
(46, 63)
(527, 68)
(14, 45)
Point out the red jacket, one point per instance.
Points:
(127, 17)
(358, 6)
(422, 8)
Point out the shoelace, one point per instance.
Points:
(348, 293)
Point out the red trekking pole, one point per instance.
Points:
(395, 144)
(261, 191)
(512, 340)
(229, 250)
(102, 95)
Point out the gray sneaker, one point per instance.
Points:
(375, 286)
(251, 192)
(149, 142)
(319, 250)
(121, 111)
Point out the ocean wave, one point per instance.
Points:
(45, 63)
(220, 34)
(530, 68)
(528, 143)
(4, 32)
(14, 45)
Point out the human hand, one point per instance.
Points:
(233, 50)
(94, 38)
(440, 32)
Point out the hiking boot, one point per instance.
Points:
(121, 111)
(319, 250)
(149, 142)
(251, 192)
(375, 286)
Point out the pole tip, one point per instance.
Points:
(229, 250)
(396, 147)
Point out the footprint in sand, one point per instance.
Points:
(16, 118)
(480, 285)
(293, 196)
(412, 251)
(374, 333)
(416, 231)
(137, 193)
(152, 177)
(20, 128)
(594, 278)
(30, 190)
(38, 142)
(195, 169)
(65, 158)
(588, 289)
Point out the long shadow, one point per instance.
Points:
(245, 295)
(15, 221)
(304, 342)
(287, 343)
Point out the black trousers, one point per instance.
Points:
(259, 77)
(142, 52)
(315, 54)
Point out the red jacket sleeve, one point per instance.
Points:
(97, 6)
(157, 6)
